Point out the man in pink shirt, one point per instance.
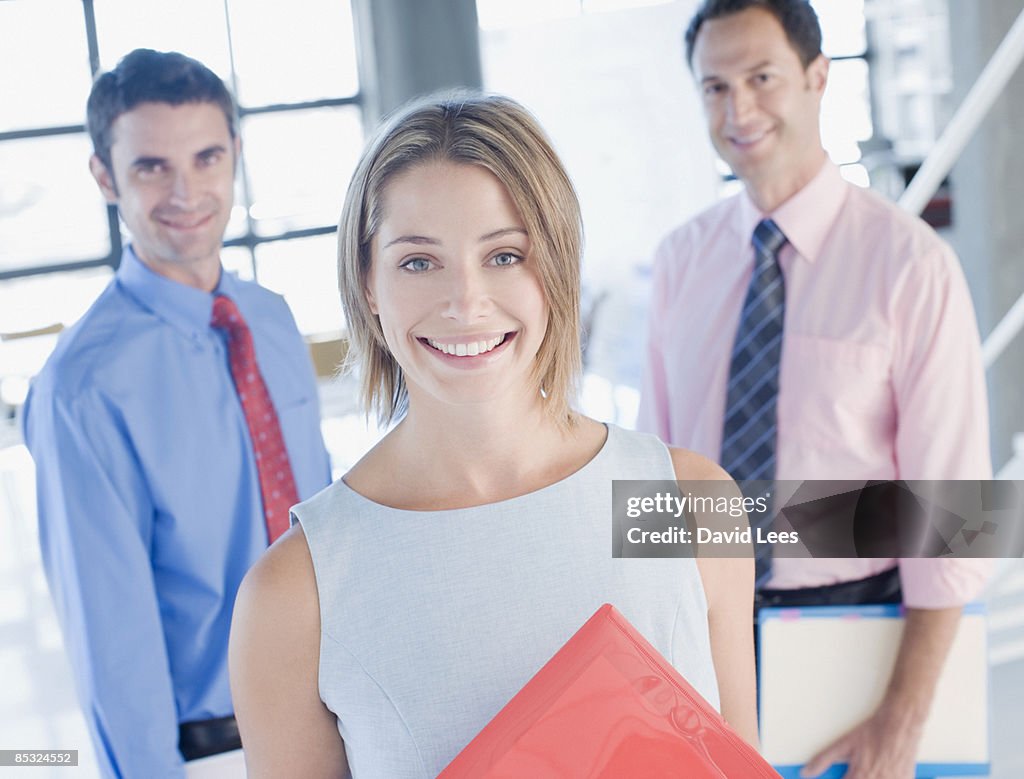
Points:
(840, 343)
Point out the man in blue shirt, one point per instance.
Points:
(149, 490)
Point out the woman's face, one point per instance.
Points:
(458, 294)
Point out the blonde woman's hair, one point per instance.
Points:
(502, 137)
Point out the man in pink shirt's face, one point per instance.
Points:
(762, 99)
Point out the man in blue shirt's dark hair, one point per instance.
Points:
(147, 76)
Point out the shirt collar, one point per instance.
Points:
(807, 217)
(185, 308)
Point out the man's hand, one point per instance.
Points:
(884, 746)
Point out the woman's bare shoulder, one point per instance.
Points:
(274, 658)
(690, 466)
(275, 628)
(727, 578)
(283, 583)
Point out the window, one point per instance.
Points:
(293, 70)
(846, 107)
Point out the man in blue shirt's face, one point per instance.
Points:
(171, 175)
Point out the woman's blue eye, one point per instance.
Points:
(506, 259)
(416, 264)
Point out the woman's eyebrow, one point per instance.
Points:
(419, 240)
(423, 240)
(502, 232)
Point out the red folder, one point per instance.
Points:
(607, 705)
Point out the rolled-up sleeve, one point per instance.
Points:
(941, 584)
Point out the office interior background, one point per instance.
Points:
(607, 80)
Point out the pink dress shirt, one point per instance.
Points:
(881, 374)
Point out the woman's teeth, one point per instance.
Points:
(467, 350)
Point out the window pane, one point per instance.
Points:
(34, 94)
(299, 165)
(845, 110)
(50, 206)
(501, 14)
(613, 6)
(856, 174)
(237, 260)
(317, 62)
(842, 27)
(35, 302)
(237, 225)
(193, 27)
(304, 271)
(630, 130)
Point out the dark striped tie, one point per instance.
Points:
(751, 421)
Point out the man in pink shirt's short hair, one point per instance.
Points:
(880, 374)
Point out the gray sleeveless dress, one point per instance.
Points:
(432, 621)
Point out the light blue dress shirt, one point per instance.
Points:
(149, 502)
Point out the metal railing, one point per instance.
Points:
(969, 115)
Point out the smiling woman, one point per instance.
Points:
(496, 149)
(454, 287)
(418, 593)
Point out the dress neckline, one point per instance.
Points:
(579, 473)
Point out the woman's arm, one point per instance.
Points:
(274, 658)
(729, 589)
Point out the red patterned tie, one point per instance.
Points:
(277, 485)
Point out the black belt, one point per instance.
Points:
(883, 587)
(208, 737)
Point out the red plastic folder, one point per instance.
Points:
(607, 705)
